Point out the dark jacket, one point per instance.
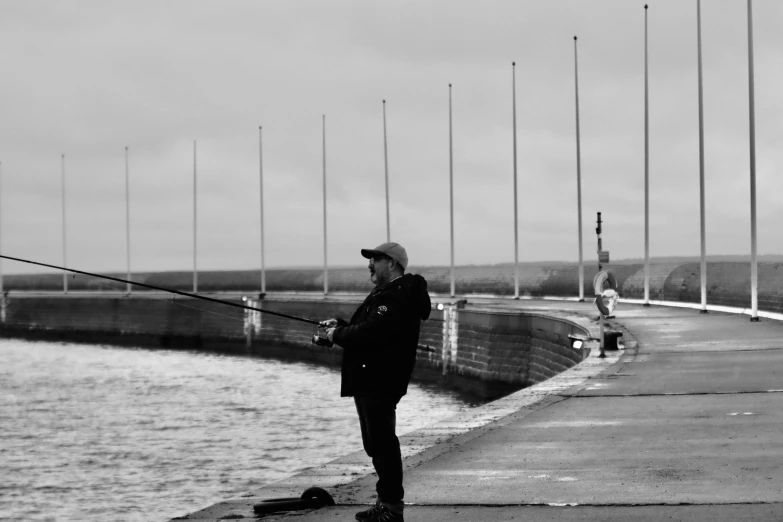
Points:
(380, 343)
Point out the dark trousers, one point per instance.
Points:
(378, 420)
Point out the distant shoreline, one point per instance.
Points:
(766, 258)
(727, 284)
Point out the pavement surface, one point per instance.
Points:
(685, 423)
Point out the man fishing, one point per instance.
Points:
(379, 352)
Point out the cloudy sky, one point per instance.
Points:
(88, 78)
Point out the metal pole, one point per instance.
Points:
(326, 270)
(261, 184)
(701, 169)
(386, 172)
(516, 219)
(195, 268)
(65, 261)
(579, 179)
(127, 220)
(754, 304)
(451, 194)
(598, 231)
(646, 172)
(598, 296)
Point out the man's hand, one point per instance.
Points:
(330, 333)
(331, 325)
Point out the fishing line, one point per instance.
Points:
(174, 300)
(105, 286)
(169, 290)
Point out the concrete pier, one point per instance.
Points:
(684, 423)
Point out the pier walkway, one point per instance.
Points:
(684, 423)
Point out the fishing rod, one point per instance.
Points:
(169, 290)
(317, 339)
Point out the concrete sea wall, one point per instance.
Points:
(485, 353)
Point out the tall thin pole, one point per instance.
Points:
(701, 169)
(195, 223)
(127, 221)
(754, 303)
(65, 259)
(451, 194)
(326, 269)
(386, 172)
(261, 185)
(516, 219)
(579, 179)
(646, 172)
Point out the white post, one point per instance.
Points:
(516, 219)
(248, 324)
(579, 179)
(754, 303)
(646, 172)
(446, 347)
(261, 184)
(195, 268)
(326, 270)
(127, 220)
(451, 194)
(701, 169)
(386, 172)
(65, 261)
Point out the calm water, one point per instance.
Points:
(108, 433)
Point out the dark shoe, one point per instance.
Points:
(384, 514)
(368, 513)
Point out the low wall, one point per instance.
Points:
(728, 283)
(487, 354)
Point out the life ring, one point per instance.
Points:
(312, 498)
(604, 277)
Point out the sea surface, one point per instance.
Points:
(96, 432)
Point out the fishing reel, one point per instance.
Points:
(321, 340)
(320, 337)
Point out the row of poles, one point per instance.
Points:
(754, 267)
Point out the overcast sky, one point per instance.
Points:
(88, 78)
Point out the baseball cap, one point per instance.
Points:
(393, 250)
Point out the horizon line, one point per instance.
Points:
(630, 260)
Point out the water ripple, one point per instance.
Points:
(99, 432)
